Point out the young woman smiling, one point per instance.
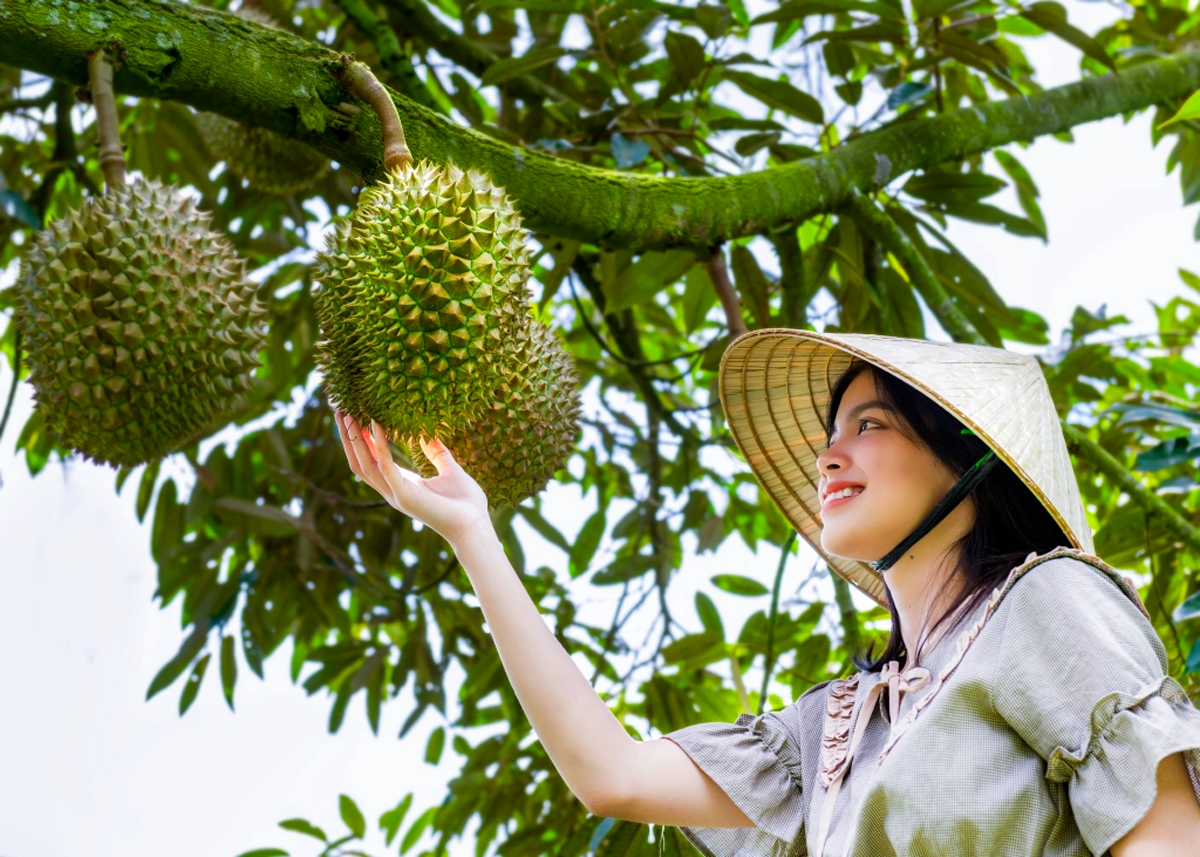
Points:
(1021, 705)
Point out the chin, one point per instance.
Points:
(850, 543)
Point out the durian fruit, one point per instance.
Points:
(141, 327)
(420, 289)
(269, 162)
(530, 429)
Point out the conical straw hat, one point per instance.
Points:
(776, 384)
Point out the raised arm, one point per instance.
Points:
(611, 774)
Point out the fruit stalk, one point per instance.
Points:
(112, 153)
(360, 82)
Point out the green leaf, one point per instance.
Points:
(1189, 110)
(710, 617)
(1193, 659)
(736, 584)
(265, 852)
(869, 34)
(1053, 17)
(707, 646)
(146, 487)
(622, 840)
(981, 212)
(228, 669)
(192, 686)
(1189, 609)
(799, 9)
(699, 297)
(1177, 450)
(433, 749)
(686, 55)
(391, 820)
(949, 188)
(352, 816)
(506, 69)
(1027, 191)
(645, 278)
(418, 827)
(14, 206)
(752, 284)
(778, 95)
(261, 520)
(172, 669)
(586, 542)
(300, 825)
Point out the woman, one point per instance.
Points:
(1021, 705)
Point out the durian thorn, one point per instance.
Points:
(112, 154)
(360, 82)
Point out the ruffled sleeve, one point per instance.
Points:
(757, 762)
(1082, 680)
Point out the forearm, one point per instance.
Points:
(584, 740)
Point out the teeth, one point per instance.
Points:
(845, 492)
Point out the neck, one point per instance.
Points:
(921, 582)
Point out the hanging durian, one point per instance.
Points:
(269, 162)
(141, 327)
(419, 288)
(529, 431)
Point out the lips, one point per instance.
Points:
(839, 492)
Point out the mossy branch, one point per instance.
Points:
(876, 223)
(1119, 476)
(215, 61)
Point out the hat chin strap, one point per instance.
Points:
(965, 485)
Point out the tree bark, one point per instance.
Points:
(218, 62)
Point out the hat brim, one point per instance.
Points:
(775, 387)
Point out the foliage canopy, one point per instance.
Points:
(690, 171)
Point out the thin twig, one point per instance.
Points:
(12, 391)
(769, 660)
(718, 272)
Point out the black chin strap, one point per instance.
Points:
(965, 485)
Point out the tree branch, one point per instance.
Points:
(1119, 476)
(414, 16)
(215, 61)
(876, 223)
(718, 272)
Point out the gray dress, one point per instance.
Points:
(1040, 732)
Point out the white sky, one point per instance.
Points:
(89, 767)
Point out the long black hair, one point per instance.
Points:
(1009, 520)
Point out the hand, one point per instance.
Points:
(451, 502)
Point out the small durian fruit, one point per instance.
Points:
(530, 429)
(141, 327)
(269, 162)
(420, 289)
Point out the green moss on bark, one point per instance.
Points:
(218, 62)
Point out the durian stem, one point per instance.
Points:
(361, 83)
(112, 153)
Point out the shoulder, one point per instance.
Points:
(1067, 617)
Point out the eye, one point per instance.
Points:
(864, 423)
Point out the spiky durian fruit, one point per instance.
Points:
(530, 429)
(419, 290)
(267, 161)
(141, 328)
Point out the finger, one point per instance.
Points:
(439, 455)
(367, 469)
(401, 481)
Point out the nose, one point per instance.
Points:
(831, 460)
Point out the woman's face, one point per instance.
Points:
(877, 483)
